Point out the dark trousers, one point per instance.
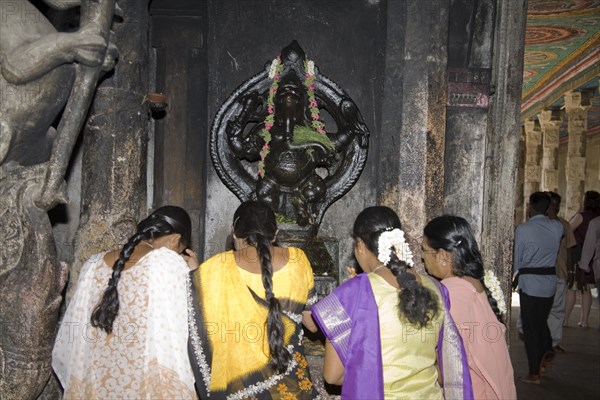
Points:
(534, 313)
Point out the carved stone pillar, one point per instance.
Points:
(576, 105)
(550, 121)
(533, 170)
(410, 173)
(520, 180)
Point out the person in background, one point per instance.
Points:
(383, 327)
(536, 247)
(451, 254)
(249, 305)
(579, 222)
(590, 254)
(121, 336)
(564, 266)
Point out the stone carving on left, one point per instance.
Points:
(43, 73)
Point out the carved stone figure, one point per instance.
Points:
(42, 73)
(269, 143)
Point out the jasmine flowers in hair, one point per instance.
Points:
(393, 240)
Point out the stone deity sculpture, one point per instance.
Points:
(268, 141)
(42, 73)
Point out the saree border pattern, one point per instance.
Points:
(195, 337)
(266, 384)
(338, 322)
(453, 364)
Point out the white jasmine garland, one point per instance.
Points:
(273, 68)
(394, 241)
(310, 67)
(493, 284)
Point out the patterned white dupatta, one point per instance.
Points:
(146, 355)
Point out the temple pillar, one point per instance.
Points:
(576, 105)
(533, 169)
(550, 121)
(520, 181)
(502, 141)
(467, 111)
(113, 188)
(411, 151)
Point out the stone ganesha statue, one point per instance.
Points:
(43, 73)
(268, 141)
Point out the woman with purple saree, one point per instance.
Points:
(388, 330)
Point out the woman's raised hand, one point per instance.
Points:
(191, 258)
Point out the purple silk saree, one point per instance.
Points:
(349, 318)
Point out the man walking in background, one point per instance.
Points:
(536, 248)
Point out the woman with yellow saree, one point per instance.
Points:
(246, 312)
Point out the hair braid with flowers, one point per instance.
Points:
(379, 228)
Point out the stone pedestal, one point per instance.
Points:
(550, 121)
(322, 252)
(576, 105)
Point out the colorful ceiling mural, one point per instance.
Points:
(562, 52)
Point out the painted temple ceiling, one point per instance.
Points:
(562, 53)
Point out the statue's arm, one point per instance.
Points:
(353, 127)
(33, 60)
(246, 146)
(243, 146)
(320, 153)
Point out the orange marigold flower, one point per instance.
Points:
(289, 396)
(298, 356)
(300, 373)
(282, 388)
(303, 363)
(305, 384)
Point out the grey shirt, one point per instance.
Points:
(536, 246)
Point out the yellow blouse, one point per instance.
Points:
(235, 322)
(285, 280)
(408, 353)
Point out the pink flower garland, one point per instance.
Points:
(275, 74)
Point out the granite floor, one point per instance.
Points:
(575, 374)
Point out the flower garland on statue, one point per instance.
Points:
(275, 74)
(394, 240)
(493, 284)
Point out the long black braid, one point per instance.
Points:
(454, 234)
(255, 222)
(416, 303)
(164, 221)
